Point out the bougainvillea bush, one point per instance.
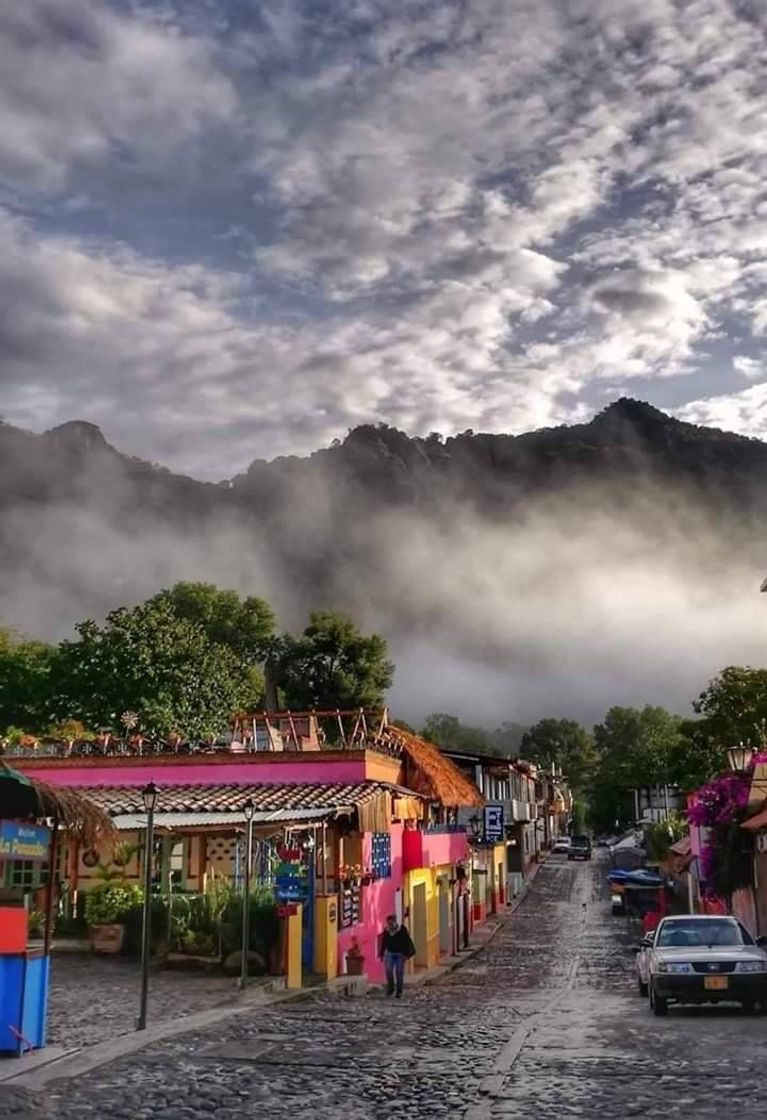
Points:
(720, 808)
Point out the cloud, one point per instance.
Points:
(744, 412)
(440, 216)
(89, 92)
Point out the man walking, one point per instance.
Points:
(396, 948)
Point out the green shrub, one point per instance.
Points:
(36, 924)
(264, 923)
(110, 903)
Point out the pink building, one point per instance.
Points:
(364, 804)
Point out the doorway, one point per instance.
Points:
(420, 931)
(445, 938)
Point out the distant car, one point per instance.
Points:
(698, 958)
(580, 848)
(561, 844)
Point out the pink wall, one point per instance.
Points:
(236, 773)
(377, 903)
(433, 849)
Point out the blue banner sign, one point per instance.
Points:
(493, 824)
(24, 841)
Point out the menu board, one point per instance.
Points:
(350, 907)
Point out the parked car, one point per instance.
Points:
(580, 848)
(698, 958)
(561, 844)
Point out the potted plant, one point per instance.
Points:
(355, 960)
(105, 909)
(351, 875)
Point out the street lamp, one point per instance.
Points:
(248, 810)
(149, 797)
(739, 758)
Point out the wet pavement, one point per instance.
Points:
(545, 1022)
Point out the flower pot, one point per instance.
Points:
(354, 965)
(106, 939)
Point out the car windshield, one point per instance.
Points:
(690, 934)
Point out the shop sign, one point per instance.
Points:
(493, 824)
(29, 842)
(289, 855)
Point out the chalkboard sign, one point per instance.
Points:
(350, 907)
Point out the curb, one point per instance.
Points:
(74, 1063)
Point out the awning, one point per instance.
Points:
(188, 806)
(128, 822)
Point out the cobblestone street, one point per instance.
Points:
(544, 1022)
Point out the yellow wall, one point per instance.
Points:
(426, 955)
(293, 932)
(326, 936)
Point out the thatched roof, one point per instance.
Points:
(23, 798)
(430, 773)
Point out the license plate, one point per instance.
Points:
(715, 983)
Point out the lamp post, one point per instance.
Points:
(149, 796)
(739, 758)
(248, 810)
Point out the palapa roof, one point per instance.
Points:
(433, 775)
(24, 798)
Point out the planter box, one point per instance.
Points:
(355, 966)
(106, 939)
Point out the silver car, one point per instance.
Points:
(698, 958)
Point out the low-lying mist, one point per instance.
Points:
(574, 604)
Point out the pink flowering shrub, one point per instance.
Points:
(720, 808)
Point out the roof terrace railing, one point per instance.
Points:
(251, 733)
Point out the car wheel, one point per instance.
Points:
(658, 1004)
(643, 989)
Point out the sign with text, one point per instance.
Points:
(29, 842)
(493, 824)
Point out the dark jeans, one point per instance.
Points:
(394, 963)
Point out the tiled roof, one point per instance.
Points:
(123, 800)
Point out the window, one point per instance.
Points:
(714, 931)
(27, 874)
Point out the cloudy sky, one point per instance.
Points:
(231, 230)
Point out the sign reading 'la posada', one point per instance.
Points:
(24, 841)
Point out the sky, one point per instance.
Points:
(232, 231)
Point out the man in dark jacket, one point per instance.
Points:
(396, 948)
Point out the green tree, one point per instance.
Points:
(151, 661)
(733, 706)
(25, 667)
(332, 665)
(564, 742)
(245, 625)
(447, 731)
(636, 748)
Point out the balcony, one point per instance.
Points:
(435, 847)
